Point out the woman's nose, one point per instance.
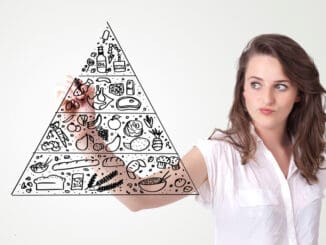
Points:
(268, 96)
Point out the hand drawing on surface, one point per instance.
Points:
(105, 138)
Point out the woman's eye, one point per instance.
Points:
(254, 84)
(282, 87)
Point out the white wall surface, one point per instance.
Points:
(184, 54)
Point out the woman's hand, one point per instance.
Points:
(75, 102)
(74, 93)
(193, 161)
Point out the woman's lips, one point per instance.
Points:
(266, 111)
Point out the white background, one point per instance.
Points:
(184, 54)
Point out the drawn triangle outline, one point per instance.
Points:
(109, 143)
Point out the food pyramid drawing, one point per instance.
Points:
(116, 146)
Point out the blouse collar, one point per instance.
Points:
(256, 136)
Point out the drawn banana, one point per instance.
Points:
(103, 79)
(95, 123)
(114, 144)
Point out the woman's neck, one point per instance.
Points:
(274, 138)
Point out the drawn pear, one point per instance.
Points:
(82, 143)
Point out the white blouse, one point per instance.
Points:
(255, 203)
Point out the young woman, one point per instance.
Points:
(263, 177)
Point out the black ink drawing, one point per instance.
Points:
(154, 184)
(51, 182)
(75, 164)
(114, 151)
(114, 145)
(99, 185)
(134, 166)
(113, 162)
(77, 181)
(40, 167)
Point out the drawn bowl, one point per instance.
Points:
(153, 184)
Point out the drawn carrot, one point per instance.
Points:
(59, 132)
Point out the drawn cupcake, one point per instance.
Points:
(174, 162)
(162, 161)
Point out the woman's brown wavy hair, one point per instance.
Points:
(306, 121)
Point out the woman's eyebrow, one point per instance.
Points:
(277, 81)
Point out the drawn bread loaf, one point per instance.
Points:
(113, 162)
(51, 182)
(75, 164)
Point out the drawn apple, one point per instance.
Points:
(114, 122)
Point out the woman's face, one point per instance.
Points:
(266, 86)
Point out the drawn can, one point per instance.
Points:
(77, 181)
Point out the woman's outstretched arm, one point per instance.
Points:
(193, 160)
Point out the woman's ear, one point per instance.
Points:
(297, 98)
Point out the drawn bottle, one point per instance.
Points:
(100, 60)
